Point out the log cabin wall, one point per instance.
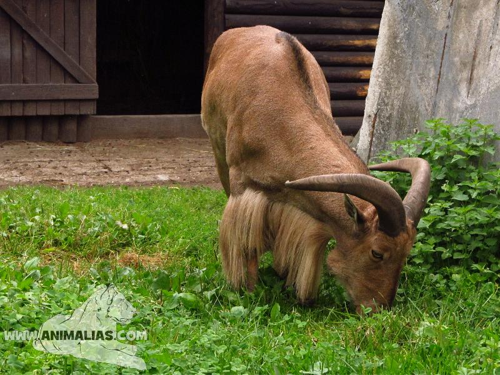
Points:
(47, 69)
(341, 34)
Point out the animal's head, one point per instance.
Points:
(368, 260)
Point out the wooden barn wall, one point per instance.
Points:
(47, 68)
(341, 34)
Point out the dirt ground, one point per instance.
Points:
(140, 162)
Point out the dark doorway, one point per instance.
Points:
(149, 56)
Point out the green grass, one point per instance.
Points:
(56, 246)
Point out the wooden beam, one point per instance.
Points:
(45, 41)
(68, 129)
(16, 68)
(48, 92)
(51, 128)
(29, 57)
(348, 90)
(84, 130)
(321, 42)
(150, 126)
(349, 125)
(349, 108)
(346, 74)
(17, 129)
(4, 129)
(57, 35)
(34, 128)
(346, 8)
(343, 58)
(88, 47)
(72, 47)
(42, 57)
(5, 61)
(313, 25)
(214, 24)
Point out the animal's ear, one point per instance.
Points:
(353, 211)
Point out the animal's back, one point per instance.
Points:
(263, 93)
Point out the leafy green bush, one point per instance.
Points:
(461, 224)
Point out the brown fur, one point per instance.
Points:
(251, 225)
(266, 109)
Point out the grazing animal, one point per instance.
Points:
(266, 109)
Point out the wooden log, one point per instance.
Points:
(344, 8)
(348, 108)
(68, 129)
(348, 90)
(17, 128)
(214, 24)
(308, 25)
(57, 35)
(16, 67)
(72, 48)
(5, 58)
(88, 47)
(349, 125)
(84, 131)
(29, 57)
(346, 74)
(42, 57)
(4, 129)
(343, 58)
(34, 128)
(322, 42)
(50, 129)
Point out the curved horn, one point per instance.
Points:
(391, 213)
(420, 171)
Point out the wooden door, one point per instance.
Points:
(341, 34)
(47, 57)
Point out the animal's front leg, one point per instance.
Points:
(252, 272)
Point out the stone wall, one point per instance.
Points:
(434, 58)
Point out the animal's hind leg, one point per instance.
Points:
(217, 139)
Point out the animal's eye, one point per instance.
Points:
(377, 255)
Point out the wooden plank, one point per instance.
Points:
(50, 128)
(346, 74)
(68, 129)
(150, 126)
(322, 42)
(45, 41)
(5, 57)
(308, 25)
(72, 47)
(348, 90)
(349, 125)
(16, 67)
(42, 57)
(84, 130)
(4, 129)
(88, 47)
(48, 91)
(343, 58)
(307, 7)
(350, 108)
(17, 128)
(57, 35)
(29, 57)
(34, 128)
(214, 24)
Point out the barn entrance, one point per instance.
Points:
(149, 56)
